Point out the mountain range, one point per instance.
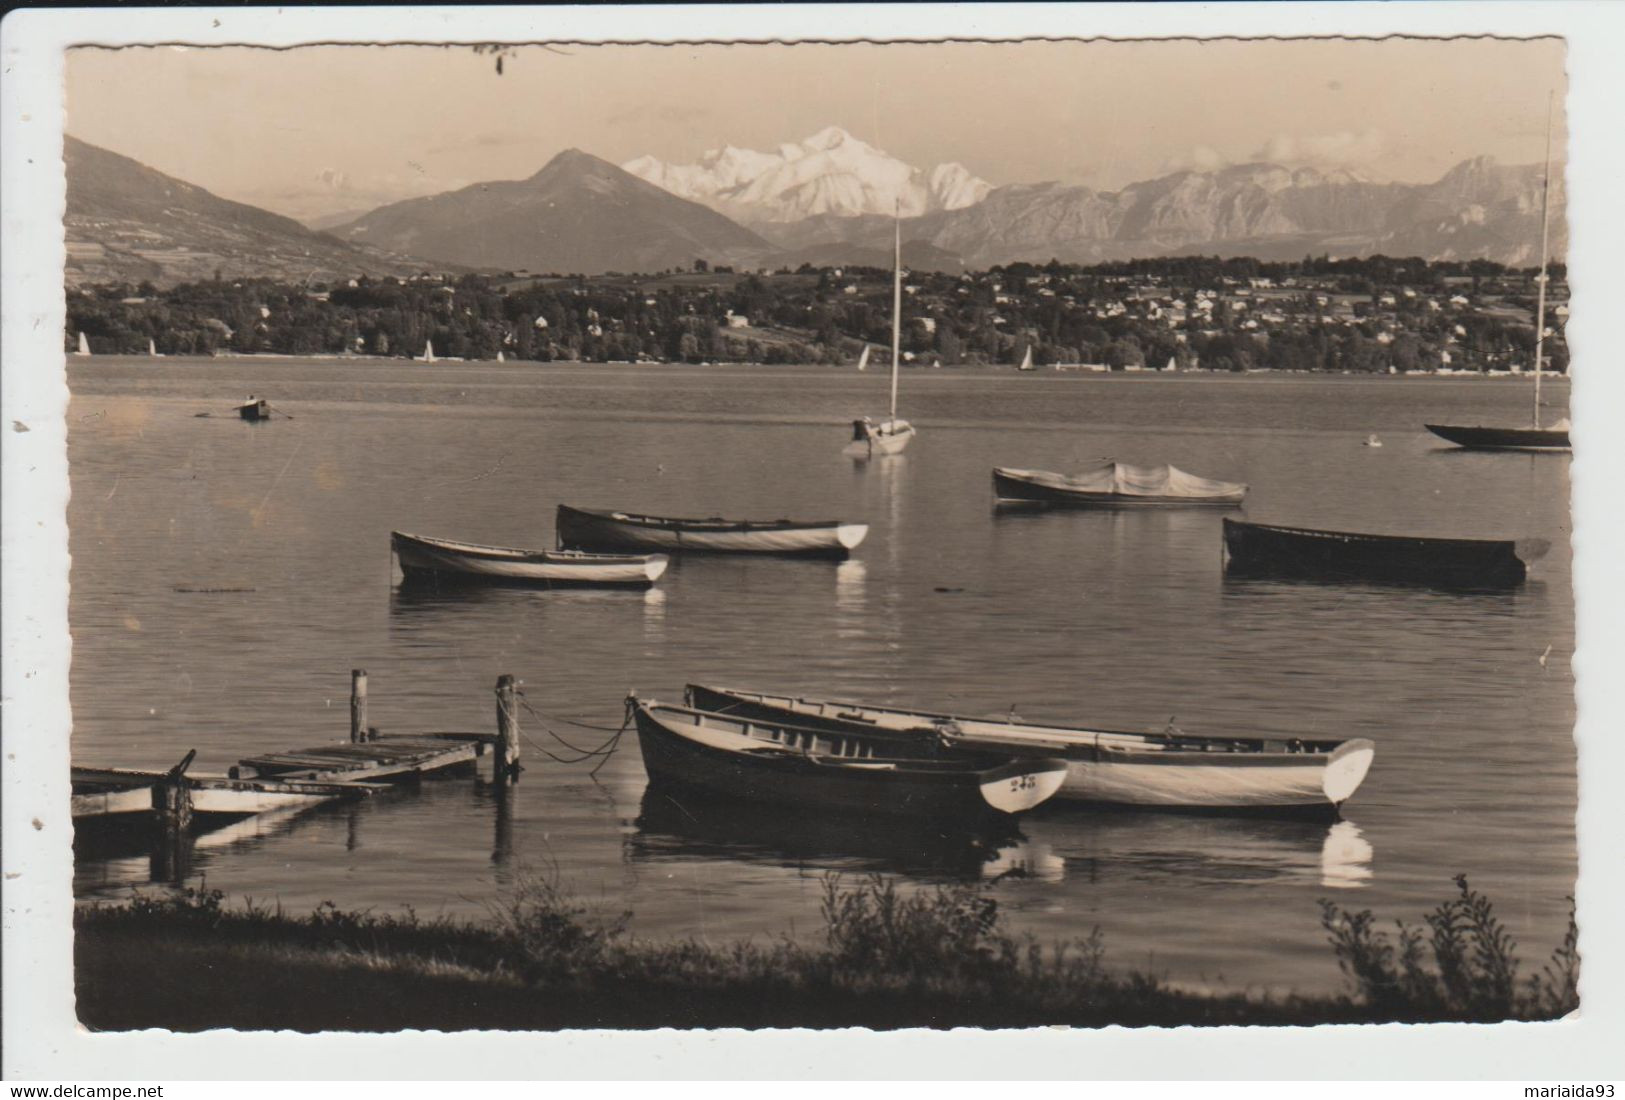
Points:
(826, 201)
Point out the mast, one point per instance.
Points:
(896, 302)
(1540, 294)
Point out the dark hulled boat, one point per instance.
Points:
(845, 772)
(587, 529)
(1257, 549)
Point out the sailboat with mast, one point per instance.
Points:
(863, 360)
(1534, 437)
(892, 434)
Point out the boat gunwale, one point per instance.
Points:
(712, 524)
(1362, 536)
(1159, 747)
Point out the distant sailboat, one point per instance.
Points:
(863, 360)
(500, 359)
(1534, 437)
(891, 435)
(1172, 365)
(152, 349)
(84, 345)
(1027, 360)
(428, 351)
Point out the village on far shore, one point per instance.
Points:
(1374, 315)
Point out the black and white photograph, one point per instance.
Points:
(913, 531)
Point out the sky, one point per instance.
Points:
(323, 130)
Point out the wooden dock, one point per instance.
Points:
(174, 804)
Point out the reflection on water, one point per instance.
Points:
(1130, 846)
(1345, 859)
(690, 827)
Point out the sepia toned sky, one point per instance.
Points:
(322, 130)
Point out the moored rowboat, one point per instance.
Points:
(448, 560)
(587, 529)
(1257, 549)
(847, 772)
(1116, 483)
(1277, 775)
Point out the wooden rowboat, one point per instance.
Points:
(1256, 549)
(585, 529)
(123, 796)
(445, 560)
(849, 772)
(1170, 771)
(1114, 484)
(255, 408)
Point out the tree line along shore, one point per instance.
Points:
(939, 957)
(1371, 315)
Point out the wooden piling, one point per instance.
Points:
(505, 764)
(358, 705)
(172, 800)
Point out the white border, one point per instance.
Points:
(41, 1039)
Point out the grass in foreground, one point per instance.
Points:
(889, 959)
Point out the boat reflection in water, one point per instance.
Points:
(687, 827)
(132, 858)
(1108, 845)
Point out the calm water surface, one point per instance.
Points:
(1116, 618)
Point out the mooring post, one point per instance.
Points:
(506, 763)
(172, 801)
(358, 705)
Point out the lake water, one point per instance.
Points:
(1114, 618)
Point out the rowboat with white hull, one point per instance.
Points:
(1114, 484)
(586, 529)
(1170, 771)
(846, 772)
(1257, 549)
(446, 560)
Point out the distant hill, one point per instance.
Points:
(126, 222)
(579, 214)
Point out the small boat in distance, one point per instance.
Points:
(850, 773)
(1114, 484)
(589, 529)
(84, 345)
(152, 349)
(1283, 775)
(1261, 550)
(446, 560)
(1534, 437)
(428, 351)
(1027, 360)
(863, 360)
(891, 435)
(254, 409)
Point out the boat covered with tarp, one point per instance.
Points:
(844, 772)
(588, 529)
(446, 560)
(1264, 550)
(1115, 483)
(1280, 774)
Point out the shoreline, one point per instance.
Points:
(890, 960)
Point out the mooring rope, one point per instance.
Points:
(603, 751)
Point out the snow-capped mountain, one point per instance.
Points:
(831, 173)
